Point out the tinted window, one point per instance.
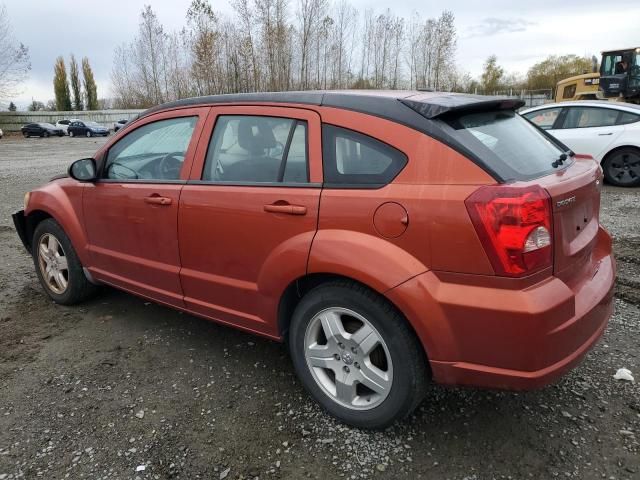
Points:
(250, 149)
(506, 143)
(351, 158)
(569, 91)
(627, 117)
(154, 151)
(584, 117)
(544, 118)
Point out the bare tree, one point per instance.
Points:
(14, 58)
(276, 45)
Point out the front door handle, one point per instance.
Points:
(605, 134)
(157, 200)
(286, 208)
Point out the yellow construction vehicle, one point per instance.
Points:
(579, 87)
(620, 75)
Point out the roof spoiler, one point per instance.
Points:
(437, 106)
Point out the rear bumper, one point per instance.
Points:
(20, 223)
(494, 337)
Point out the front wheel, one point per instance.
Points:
(71, 133)
(622, 167)
(356, 355)
(88, 133)
(57, 265)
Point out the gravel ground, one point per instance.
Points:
(119, 384)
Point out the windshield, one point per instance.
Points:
(507, 143)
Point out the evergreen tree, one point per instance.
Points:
(12, 107)
(61, 86)
(90, 87)
(75, 84)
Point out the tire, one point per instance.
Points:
(47, 134)
(77, 287)
(343, 360)
(71, 133)
(25, 134)
(622, 167)
(89, 134)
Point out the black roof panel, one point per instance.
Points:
(418, 110)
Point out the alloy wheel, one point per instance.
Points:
(53, 263)
(348, 358)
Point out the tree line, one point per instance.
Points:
(273, 45)
(70, 93)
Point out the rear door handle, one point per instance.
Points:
(605, 134)
(286, 208)
(157, 200)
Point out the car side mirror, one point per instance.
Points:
(83, 170)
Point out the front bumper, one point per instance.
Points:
(509, 338)
(20, 223)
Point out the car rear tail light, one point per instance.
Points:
(515, 227)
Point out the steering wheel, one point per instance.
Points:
(169, 166)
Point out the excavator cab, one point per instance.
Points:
(620, 75)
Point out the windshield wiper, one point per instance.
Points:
(558, 162)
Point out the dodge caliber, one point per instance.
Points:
(391, 239)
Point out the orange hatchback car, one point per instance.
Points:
(390, 238)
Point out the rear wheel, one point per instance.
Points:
(26, 135)
(88, 133)
(622, 167)
(71, 133)
(57, 265)
(356, 355)
(47, 134)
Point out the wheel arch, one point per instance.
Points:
(65, 207)
(616, 148)
(299, 287)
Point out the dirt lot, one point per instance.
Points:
(99, 390)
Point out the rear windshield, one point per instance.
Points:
(507, 143)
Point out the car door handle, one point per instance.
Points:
(286, 208)
(605, 134)
(157, 200)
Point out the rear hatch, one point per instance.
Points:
(520, 156)
(575, 200)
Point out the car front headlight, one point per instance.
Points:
(27, 196)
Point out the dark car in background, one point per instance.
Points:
(87, 129)
(41, 130)
(119, 124)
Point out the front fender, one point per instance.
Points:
(371, 260)
(62, 200)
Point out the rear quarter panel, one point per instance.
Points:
(431, 188)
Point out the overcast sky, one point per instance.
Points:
(520, 33)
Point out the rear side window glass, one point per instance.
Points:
(544, 118)
(585, 117)
(257, 149)
(351, 158)
(506, 143)
(627, 117)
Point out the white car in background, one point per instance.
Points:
(608, 131)
(64, 125)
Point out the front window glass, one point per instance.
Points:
(610, 63)
(544, 118)
(154, 151)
